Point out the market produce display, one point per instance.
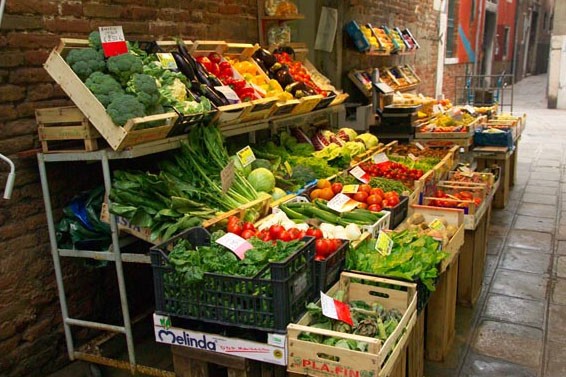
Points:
(455, 199)
(448, 123)
(186, 190)
(413, 257)
(393, 170)
(370, 319)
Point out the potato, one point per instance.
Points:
(416, 219)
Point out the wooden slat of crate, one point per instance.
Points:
(117, 137)
(415, 348)
(472, 263)
(441, 315)
(64, 124)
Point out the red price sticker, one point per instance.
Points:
(235, 244)
(335, 309)
(360, 174)
(113, 40)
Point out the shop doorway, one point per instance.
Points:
(488, 42)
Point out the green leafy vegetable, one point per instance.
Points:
(85, 61)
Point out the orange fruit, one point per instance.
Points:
(326, 194)
(315, 193)
(323, 183)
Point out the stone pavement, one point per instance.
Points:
(518, 326)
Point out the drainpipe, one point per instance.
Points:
(480, 21)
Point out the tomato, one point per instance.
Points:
(323, 183)
(466, 195)
(248, 226)
(235, 227)
(319, 258)
(326, 194)
(314, 232)
(361, 196)
(295, 233)
(315, 193)
(275, 231)
(337, 187)
(363, 205)
(374, 199)
(440, 194)
(364, 188)
(477, 201)
(233, 219)
(336, 243)
(375, 208)
(285, 236)
(214, 57)
(376, 191)
(323, 247)
(247, 234)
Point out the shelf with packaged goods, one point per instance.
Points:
(264, 20)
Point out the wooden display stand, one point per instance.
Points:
(472, 261)
(503, 158)
(441, 315)
(191, 362)
(415, 348)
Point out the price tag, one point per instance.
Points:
(350, 189)
(288, 168)
(455, 113)
(335, 309)
(437, 109)
(227, 92)
(113, 40)
(227, 176)
(167, 61)
(420, 146)
(360, 174)
(235, 244)
(436, 224)
(466, 171)
(470, 109)
(342, 203)
(412, 157)
(384, 243)
(378, 158)
(246, 156)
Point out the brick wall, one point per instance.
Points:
(418, 16)
(31, 336)
(453, 82)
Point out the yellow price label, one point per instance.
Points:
(350, 189)
(384, 243)
(246, 156)
(437, 224)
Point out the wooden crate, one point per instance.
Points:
(486, 157)
(57, 126)
(117, 137)
(304, 357)
(125, 226)
(261, 205)
(472, 263)
(191, 362)
(454, 217)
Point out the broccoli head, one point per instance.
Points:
(124, 66)
(85, 61)
(124, 107)
(144, 87)
(104, 87)
(94, 40)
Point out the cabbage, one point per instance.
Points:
(262, 180)
(369, 140)
(277, 194)
(354, 148)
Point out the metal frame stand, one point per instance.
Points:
(114, 255)
(485, 90)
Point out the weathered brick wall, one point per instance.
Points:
(453, 82)
(31, 337)
(418, 16)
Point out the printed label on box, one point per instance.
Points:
(113, 40)
(246, 156)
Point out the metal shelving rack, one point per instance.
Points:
(485, 90)
(114, 254)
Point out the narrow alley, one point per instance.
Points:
(518, 326)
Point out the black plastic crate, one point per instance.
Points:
(327, 272)
(399, 212)
(503, 139)
(276, 296)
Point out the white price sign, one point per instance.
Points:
(229, 93)
(342, 203)
(360, 174)
(235, 244)
(379, 158)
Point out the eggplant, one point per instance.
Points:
(283, 76)
(266, 57)
(183, 66)
(299, 89)
(214, 80)
(200, 73)
(214, 97)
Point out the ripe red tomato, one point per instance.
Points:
(375, 207)
(248, 226)
(363, 205)
(336, 187)
(285, 236)
(361, 196)
(247, 234)
(323, 247)
(374, 199)
(275, 231)
(235, 227)
(364, 188)
(376, 191)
